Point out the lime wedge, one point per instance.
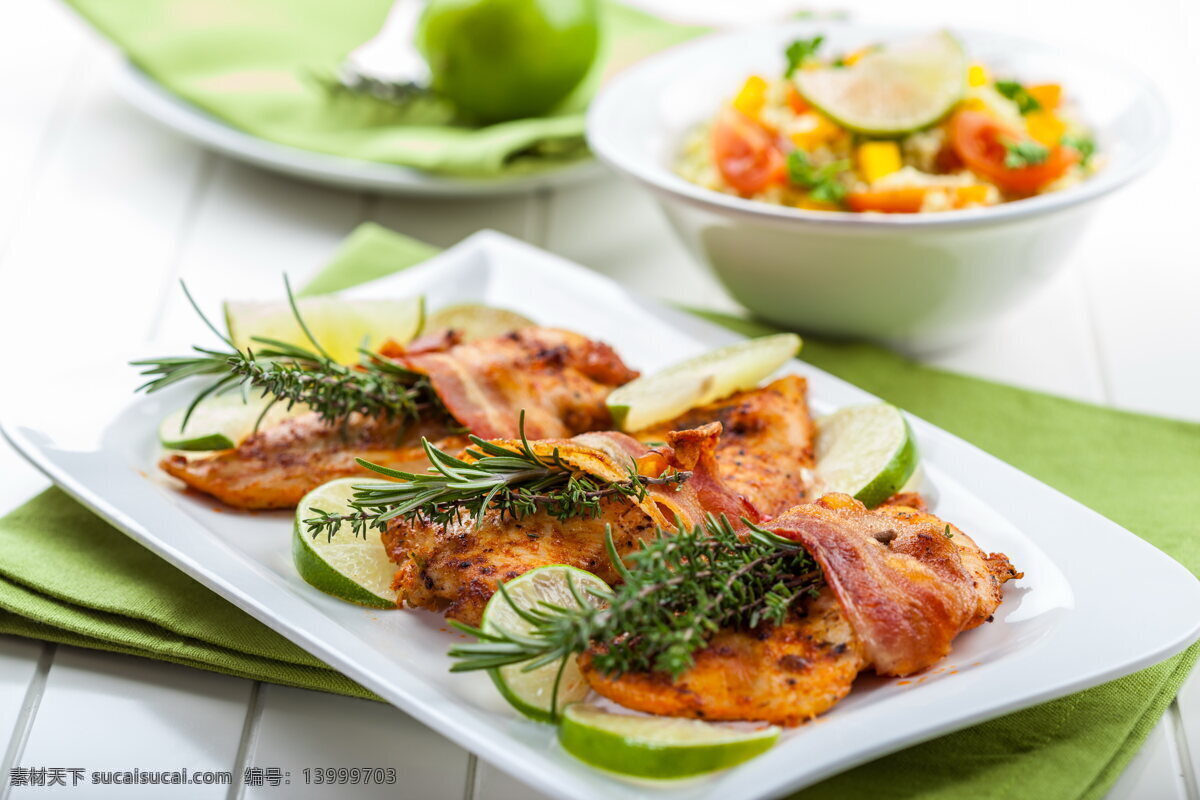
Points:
(341, 326)
(349, 567)
(220, 422)
(475, 321)
(532, 692)
(666, 394)
(892, 90)
(657, 747)
(865, 451)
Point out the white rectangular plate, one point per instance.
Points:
(1053, 635)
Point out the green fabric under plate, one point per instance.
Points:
(251, 63)
(67, 576)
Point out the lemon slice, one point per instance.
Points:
(349, 567)
(892, 90)
(666, 394)
(865, 451)
(543, 692)
(657, 747)
(341, 326)
(221, 422)
(475, 321)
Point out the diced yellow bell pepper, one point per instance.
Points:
(978, 75)
(813, 130)
(876, 159)
(809, 204)
(1048, 94)
(752, 96)
(1045, 127)
(976, 193)
(854, 57)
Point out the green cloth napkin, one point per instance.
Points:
(67, 576)
(253, 64)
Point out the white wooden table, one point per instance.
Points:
(101, 211)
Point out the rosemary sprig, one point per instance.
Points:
(678, 591)
(291, 374)
(517, 482)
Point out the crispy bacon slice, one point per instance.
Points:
(766, 449)
(559, 378)
(906, 586)
(456, 566)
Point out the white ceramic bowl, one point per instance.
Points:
(916, 281)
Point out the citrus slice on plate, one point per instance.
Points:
(657, 747)
(543, 692)
(656, 398)
(476, 321)
(892, 90)
(865, 451)
(352, 568)
(340, 326)
(220, 422)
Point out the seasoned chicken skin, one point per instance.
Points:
(898, 590)
(560, 379)
(277, 466)
(766, 447)
(455, 566)
(785, 674)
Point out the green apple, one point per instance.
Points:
(498, 60)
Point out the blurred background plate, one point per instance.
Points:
(146, 95)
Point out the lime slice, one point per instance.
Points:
(865, 451)
(349, 567)
(666, 394)
(532, 692)
(220, 422)
(657, 747)
(892, 90)
(475, 321)
(341, 326)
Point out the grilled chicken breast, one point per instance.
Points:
(898, 590)
(560, 379)
(766, 447)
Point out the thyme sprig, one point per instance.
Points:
(678, 590)
(516, 481)
(291, 374)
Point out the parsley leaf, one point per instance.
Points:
(822, 182)
(1019, 95)
(1085, 145)
(1024, 154)
(800, 51)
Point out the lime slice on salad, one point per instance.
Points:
(865, 451)
(349, 567)
(657, 747)
(656, 398)
(475, 321)
(341, 326)
(892, 90)
(543, 692)
(220, 422)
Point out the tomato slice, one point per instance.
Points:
(746, 153)
(904, 200)
(978, 140)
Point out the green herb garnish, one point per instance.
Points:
(800, 51)
(1084, 145)
(516, 481)
(678, 590)
(823, 183)
(293, 374)
(1014, 91)
(1024, 154)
